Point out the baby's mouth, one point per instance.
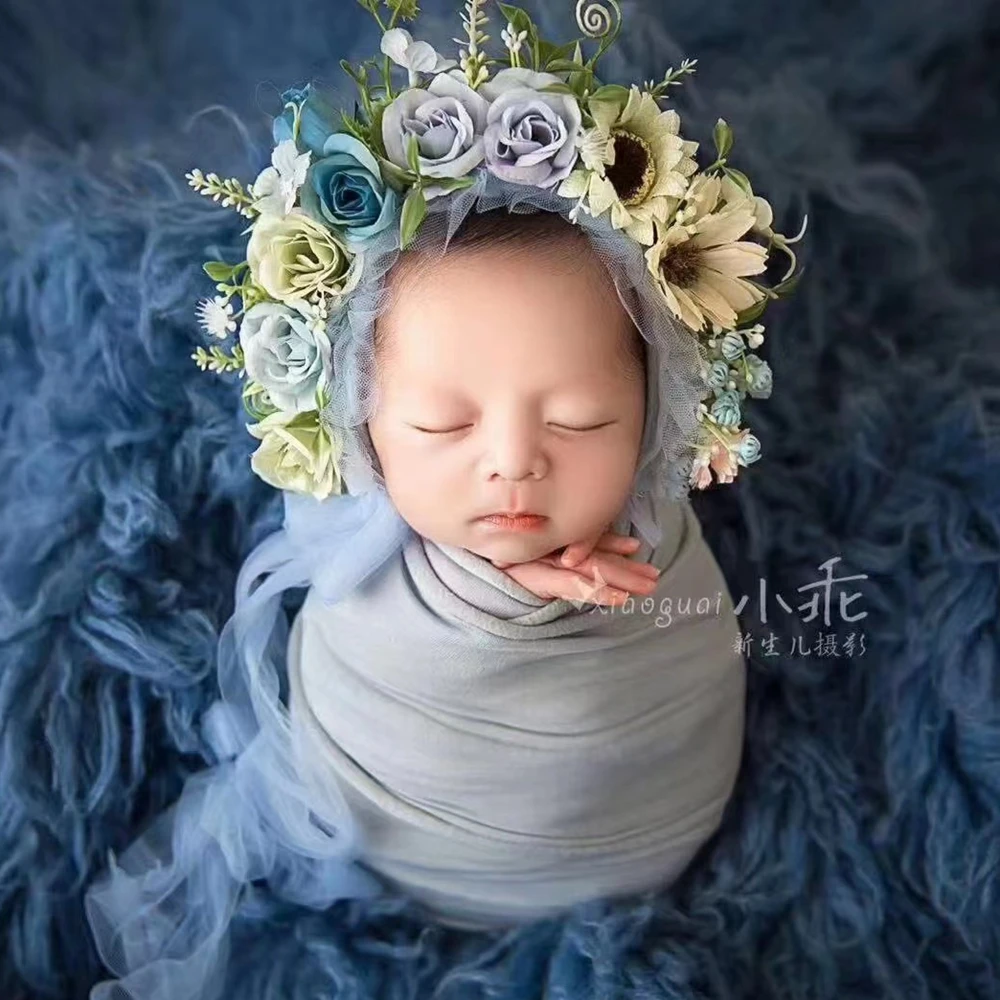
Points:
(515, 522)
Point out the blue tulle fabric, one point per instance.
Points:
(160, 914)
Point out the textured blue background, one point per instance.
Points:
(860, 856)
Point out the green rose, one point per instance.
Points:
(297, 454)
(295, 257)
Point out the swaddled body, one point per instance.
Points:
(507, 756)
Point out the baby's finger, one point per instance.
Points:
(625, 560)
(576, 552)
(622, 544)
(620, 572)
(573, 587)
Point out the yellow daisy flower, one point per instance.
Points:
(634, 163)
(699, 260)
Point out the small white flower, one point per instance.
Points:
(414, 57)
(276, 186)
(513, 39)
(755, 337)
(215, 315)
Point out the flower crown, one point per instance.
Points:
(537, 116)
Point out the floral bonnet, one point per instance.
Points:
(346, 192)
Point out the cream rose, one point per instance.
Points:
(297, 453)
(295, 257)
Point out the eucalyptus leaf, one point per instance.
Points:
(723, 136)
(413, 214)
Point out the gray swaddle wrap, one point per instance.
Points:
(507, 756)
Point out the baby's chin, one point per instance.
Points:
(510, 546)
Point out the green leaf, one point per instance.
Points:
(519, 18)
(787, 286)
(219, 271)
(395, 176)
(740, 178)
(549, 51)
(406, 10)
(413, 154)
(375, 140)
(352, 126)
(723, 136)
(453, 183)
(414, 212)
(566, 66)
(752, 314)
(611, 92)
(558, 88)
(322, 396)
(349, 70)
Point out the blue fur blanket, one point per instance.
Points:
(860, 857)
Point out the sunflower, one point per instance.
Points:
(634, 163)
(699, 260)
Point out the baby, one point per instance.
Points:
(513, 731)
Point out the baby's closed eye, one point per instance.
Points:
(558, 426)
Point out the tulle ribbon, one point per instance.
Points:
(160, 914)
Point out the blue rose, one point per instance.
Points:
(344, 189)
(718, 375)
(285, 354)
(726, 409)
(749, 450)
(759, 378)
(317, 119)
(732, 346)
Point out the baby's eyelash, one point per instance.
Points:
(450, 430)
(564, 427)
(593, 427)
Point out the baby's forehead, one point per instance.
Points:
(503, 288)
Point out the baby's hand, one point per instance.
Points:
(595, 571)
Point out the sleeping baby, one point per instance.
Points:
(495, 325)
(513, 735)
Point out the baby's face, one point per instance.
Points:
(503, 388)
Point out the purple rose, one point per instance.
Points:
(531, 137)
(447, 119)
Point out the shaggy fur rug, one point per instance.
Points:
(860, 855)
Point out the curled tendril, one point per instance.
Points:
(594, 20)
